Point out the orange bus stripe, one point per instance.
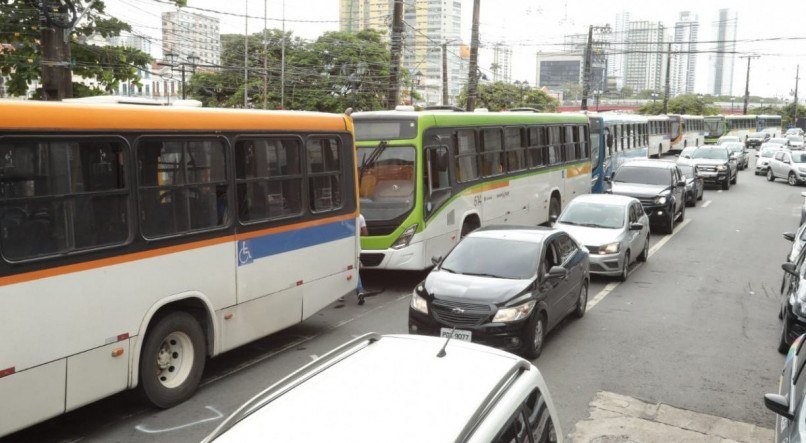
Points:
(490, 187)
(126, 258)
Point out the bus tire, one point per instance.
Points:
(172, 359)
(555, 207)
(470, 224)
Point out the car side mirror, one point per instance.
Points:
(608, 179)
(756, 155)
(789, 236)
(778, 404)
(636, 226)
(437, 259)
(681, 183)
(790, 268)
(557, 272)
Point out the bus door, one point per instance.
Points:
(441, 222)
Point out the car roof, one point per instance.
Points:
(534, 234)
(649, 164)
(395, 387)
(608, 199)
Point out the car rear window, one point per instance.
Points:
(493, 257)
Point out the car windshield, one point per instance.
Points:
(799, 157)
(493, 257)
(712, 154)
(734, 147)
(643, 175)
(387, 184)
(728, 140)
(778, 141)
(758, 135)
(593, 215)
(768, 153)
(794, 138)
(687, 170)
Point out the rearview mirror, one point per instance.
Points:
(442, 159)
(790, 268)
(636, 226)
(557, 272)
(789, 236)
(436, 259)
(778, 404)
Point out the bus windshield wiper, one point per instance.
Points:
(373, 157)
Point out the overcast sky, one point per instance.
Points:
(529, 26)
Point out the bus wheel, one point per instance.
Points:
(554, 211)
(172, 360)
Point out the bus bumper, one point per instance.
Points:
(410, 258)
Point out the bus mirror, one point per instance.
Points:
(442, 159)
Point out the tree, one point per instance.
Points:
(627, 92)
(682, 104)
(22, 27)
(500, 96)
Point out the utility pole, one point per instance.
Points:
(282, 63)
(57, 21)
(747, 83)
(586, 71)
(797, 77)
(397, 43)
(667, 85)
(445, 74)
(265, 54)
(246, 54)
(472, 76)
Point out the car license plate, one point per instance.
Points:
(708, 174)
(458, 334)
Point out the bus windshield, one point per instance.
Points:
(387, 184)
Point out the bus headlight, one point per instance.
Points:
(514, 313)
(405, 237)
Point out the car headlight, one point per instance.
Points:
(514, 313)
(802, 169)
(405, 237)
(721, 168)
(418, 303)
(660, 200)
(610, 248)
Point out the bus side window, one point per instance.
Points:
(571, 142)
(491, 145)
(325, 175)
(555, 145)
(268, 172)
(438, 185)
(515, 147)
(584, 142)
(466, 155)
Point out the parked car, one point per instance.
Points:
(764, 155)
(788, 403)
(695, 187)
(788, 165)
(739, 151)
(793, 306)
(798, 239)
(795, 131)
(613, 228)
(756, 139)
(658, 185)
(443, 390)
(783, 141)
(716, 166)
(803, 209)
(795, 141)
(504, 287)
(728, 139)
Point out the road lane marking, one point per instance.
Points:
(613, 285)
(705, 205)
(218, 415)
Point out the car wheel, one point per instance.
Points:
(783, 343)
(172, 360)
(701, 193)
(645, 252)
(582, 301)
(625, 270)
(535, 336)
(792, 179)
(735, 177)
(690, 200)
(726, 184)
(770, 175)
(683, 213)
(669, 225)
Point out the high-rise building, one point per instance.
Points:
(615, 65)
(720, 81)
(502, 63)
(602, 40)
(429, 23)
(187, 34)
(131, 41)
(684, 54)
(563, 71)
(645, 56)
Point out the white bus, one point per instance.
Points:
(740, 125)
(659, 135)
(428, 178)
(692, 132)
(771, 124)
(136, 242)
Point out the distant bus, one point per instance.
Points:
(771, 124)
(675, 132)
(714, 128)
(136, 241)
(692, 132)
(621, 137)
(740, 125)
(428, 178)
(659, 135)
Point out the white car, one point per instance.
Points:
(794, 131)
(401, 388)
(764, 155)
(728, 138)
(795, 141)
(788, 165)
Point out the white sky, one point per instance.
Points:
(529, 26)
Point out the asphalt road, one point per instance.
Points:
(695, 327)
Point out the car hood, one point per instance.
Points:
(708, 161)
(637, 189)
(471, 288)
(592, 236)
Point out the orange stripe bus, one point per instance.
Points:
(136, 242)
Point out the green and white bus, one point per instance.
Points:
(428, 178)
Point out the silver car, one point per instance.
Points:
(614, 228)
(739, 151)
(764, 155)
(795, 141)
(788, 165)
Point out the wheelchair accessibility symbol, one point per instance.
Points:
(244, 255)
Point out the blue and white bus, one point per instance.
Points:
(660, 141)
(771, 124)
(619, 138)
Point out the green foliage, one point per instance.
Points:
(108, 66)
(787, 112)
(682, 104)
(337, 71)
(500, 96)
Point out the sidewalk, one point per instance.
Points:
(618, 418)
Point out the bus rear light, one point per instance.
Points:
(299, 283)
(117, 352)
(228, 316)
(123, 336)
(349, 268)
(349, 277)
(6, 371)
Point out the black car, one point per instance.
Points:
(504, 287)
(694, 184)
(660, 187)
(756, 139)
(793, 306)
(716, 165)
(788, 402)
